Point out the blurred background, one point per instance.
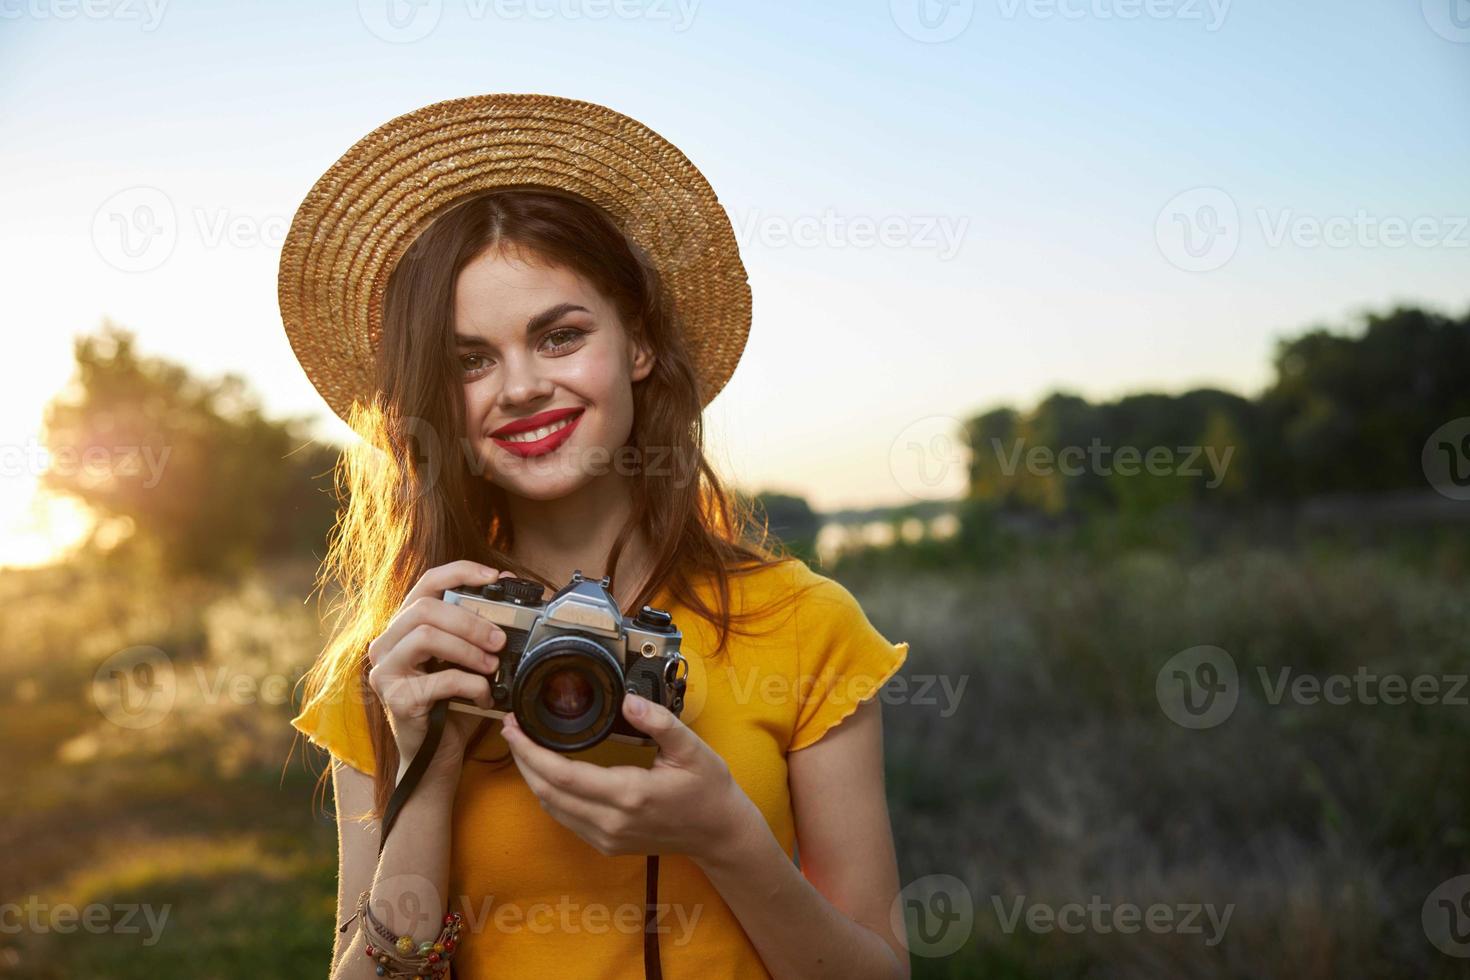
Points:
(1115, 353)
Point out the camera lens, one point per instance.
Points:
(567, 692)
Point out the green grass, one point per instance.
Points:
(1058, 777)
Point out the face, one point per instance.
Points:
(538, 344)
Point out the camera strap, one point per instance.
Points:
(652, 970)
(438, 715)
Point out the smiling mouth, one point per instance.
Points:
(536, 435)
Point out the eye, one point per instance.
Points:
(474, 364)
(562, 339)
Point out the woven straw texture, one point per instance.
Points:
(365, 211)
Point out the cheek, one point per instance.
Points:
(478, 398)
(596, 376)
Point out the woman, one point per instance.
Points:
(523, 303)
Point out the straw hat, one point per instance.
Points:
(365, 211)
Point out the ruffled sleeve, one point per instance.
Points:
(336, 720)
(842, 659)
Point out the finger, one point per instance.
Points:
(413, 694)
(677, 742)
(424, 642)
(607, 785)
(439, 579)
(431, 611)
(585, 817)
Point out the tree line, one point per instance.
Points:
(1345, 412)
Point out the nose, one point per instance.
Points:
(523, 382)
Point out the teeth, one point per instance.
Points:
(540, 433)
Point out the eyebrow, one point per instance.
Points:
(542, 319)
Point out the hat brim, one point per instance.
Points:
(364, 212)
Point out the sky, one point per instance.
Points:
(943, 205)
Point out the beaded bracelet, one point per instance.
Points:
(399, 956)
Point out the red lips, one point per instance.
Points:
(548, 442)
(534, 421)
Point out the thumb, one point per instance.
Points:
(675, 739)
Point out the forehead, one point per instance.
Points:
(498, 291)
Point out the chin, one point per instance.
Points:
(542, 489)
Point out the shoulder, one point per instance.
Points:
(334, 717)
(790, 594)
(842, 659)
(788, 578)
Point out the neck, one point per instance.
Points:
(555, 537)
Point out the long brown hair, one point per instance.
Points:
(408, 498)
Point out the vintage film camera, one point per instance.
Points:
(568, 661)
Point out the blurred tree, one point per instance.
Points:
(1345, 414)
(791, 519)
(206, 483)
(992, 438)
(1351, 413)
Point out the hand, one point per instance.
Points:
(426, 627)
(688, 803)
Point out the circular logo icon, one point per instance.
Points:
(933, 916)
(135, 230)
(426, 451)
(400, 21)
(1198, 230)
(409, 912)
(135, 688)
(1450, 19)
(1198, 687)
(1446, 917)
(932, 21)
(678, 239)
(1446, 459)
(929, 459)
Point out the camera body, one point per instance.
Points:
(568, 660)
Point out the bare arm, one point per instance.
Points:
(410, 880)
(830, 918)
(410, 883)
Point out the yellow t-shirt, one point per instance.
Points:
(539, 901)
